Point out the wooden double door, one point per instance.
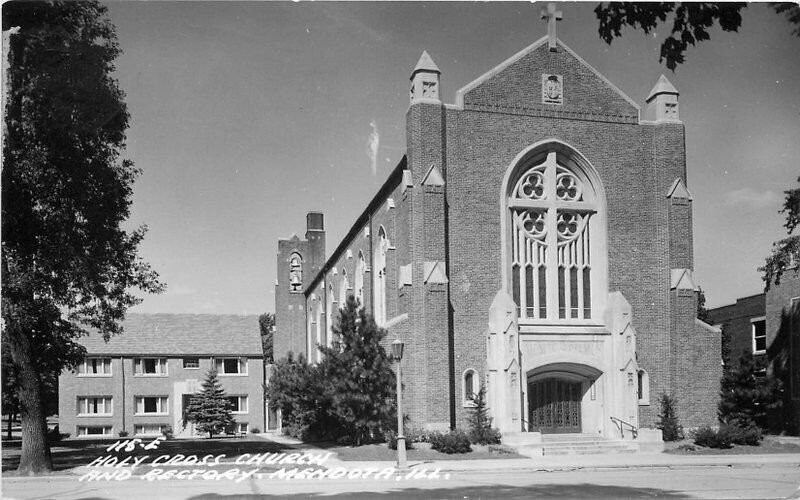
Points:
(554, 405)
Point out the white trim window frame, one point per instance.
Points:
(95, 406)
(148, 429)
(758, 328)
(241, 406)
(469, 380)
(150, 367)
(83, 431)
(143, 402)
(224, 365)
(191, 363)
(95, 367)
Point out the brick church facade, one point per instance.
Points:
(536, 238)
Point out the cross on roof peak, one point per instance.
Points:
(552, 15)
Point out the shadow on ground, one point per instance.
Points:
(74, 453)
(481, 492)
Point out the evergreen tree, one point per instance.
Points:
(295, 388)
(746, 397)
(668, 422)
(357, 377)
(209, 409)
(481, 430)
(68, 262)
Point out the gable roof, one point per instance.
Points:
(527, 50)
(180, 335)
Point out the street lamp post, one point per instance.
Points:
(397, 353)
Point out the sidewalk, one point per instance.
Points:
(568, 462)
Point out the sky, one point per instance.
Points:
(247, 115)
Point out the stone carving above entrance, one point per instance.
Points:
(545, 347)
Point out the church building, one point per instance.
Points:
(535, 239)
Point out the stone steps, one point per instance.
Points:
(537, 445)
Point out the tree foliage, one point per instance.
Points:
(786, 252)
(480, 423)
(349, 395)
(691, 22)
(266, 324)
(747, 394)
(209, 409)
(668, 422)
(67, 262)
(702, 311)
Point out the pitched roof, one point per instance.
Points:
(662, 86)
(180, 335)
(426, 63)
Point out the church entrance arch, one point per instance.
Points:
(556, 394)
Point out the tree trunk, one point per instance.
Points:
(35, 456)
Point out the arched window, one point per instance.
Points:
(361, 267)
(295, 273)
(554, 251)
(379, 276)
(318, 319)
(643, 388)
(329, 317)
(309, 335)
(471, 385)
(343, 289)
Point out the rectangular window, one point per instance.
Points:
(242, 427)
(94, 406)
(238, 404)
(231, 366)
(542, 292)
(587, 293)
(759, 335)
(95, 367)
(95, 430)
(191, 363)
(152, 405)
(573, 292)
(148, 429)
(152, 367)
(530, 310)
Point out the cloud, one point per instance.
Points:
(753, 199)
(372, 146)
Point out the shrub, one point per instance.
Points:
(391, 440)
(671, 428)
(456, 441)
(710, 438)
(255, 430)
(750, 436)
(167, 432)
(481, 430)
(123, 434)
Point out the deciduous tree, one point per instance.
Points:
(786, 252)
(266, 324)
(67, 263)
(690, 22)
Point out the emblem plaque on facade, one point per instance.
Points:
(552, 89)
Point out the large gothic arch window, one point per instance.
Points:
(379, 276)
(555, 249)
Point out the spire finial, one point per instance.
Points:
(552, 15)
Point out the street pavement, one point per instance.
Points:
(581, 476)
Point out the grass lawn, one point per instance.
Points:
(383, 453)
(770, 444)
(72, 453)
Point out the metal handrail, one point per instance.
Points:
(620, 423)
